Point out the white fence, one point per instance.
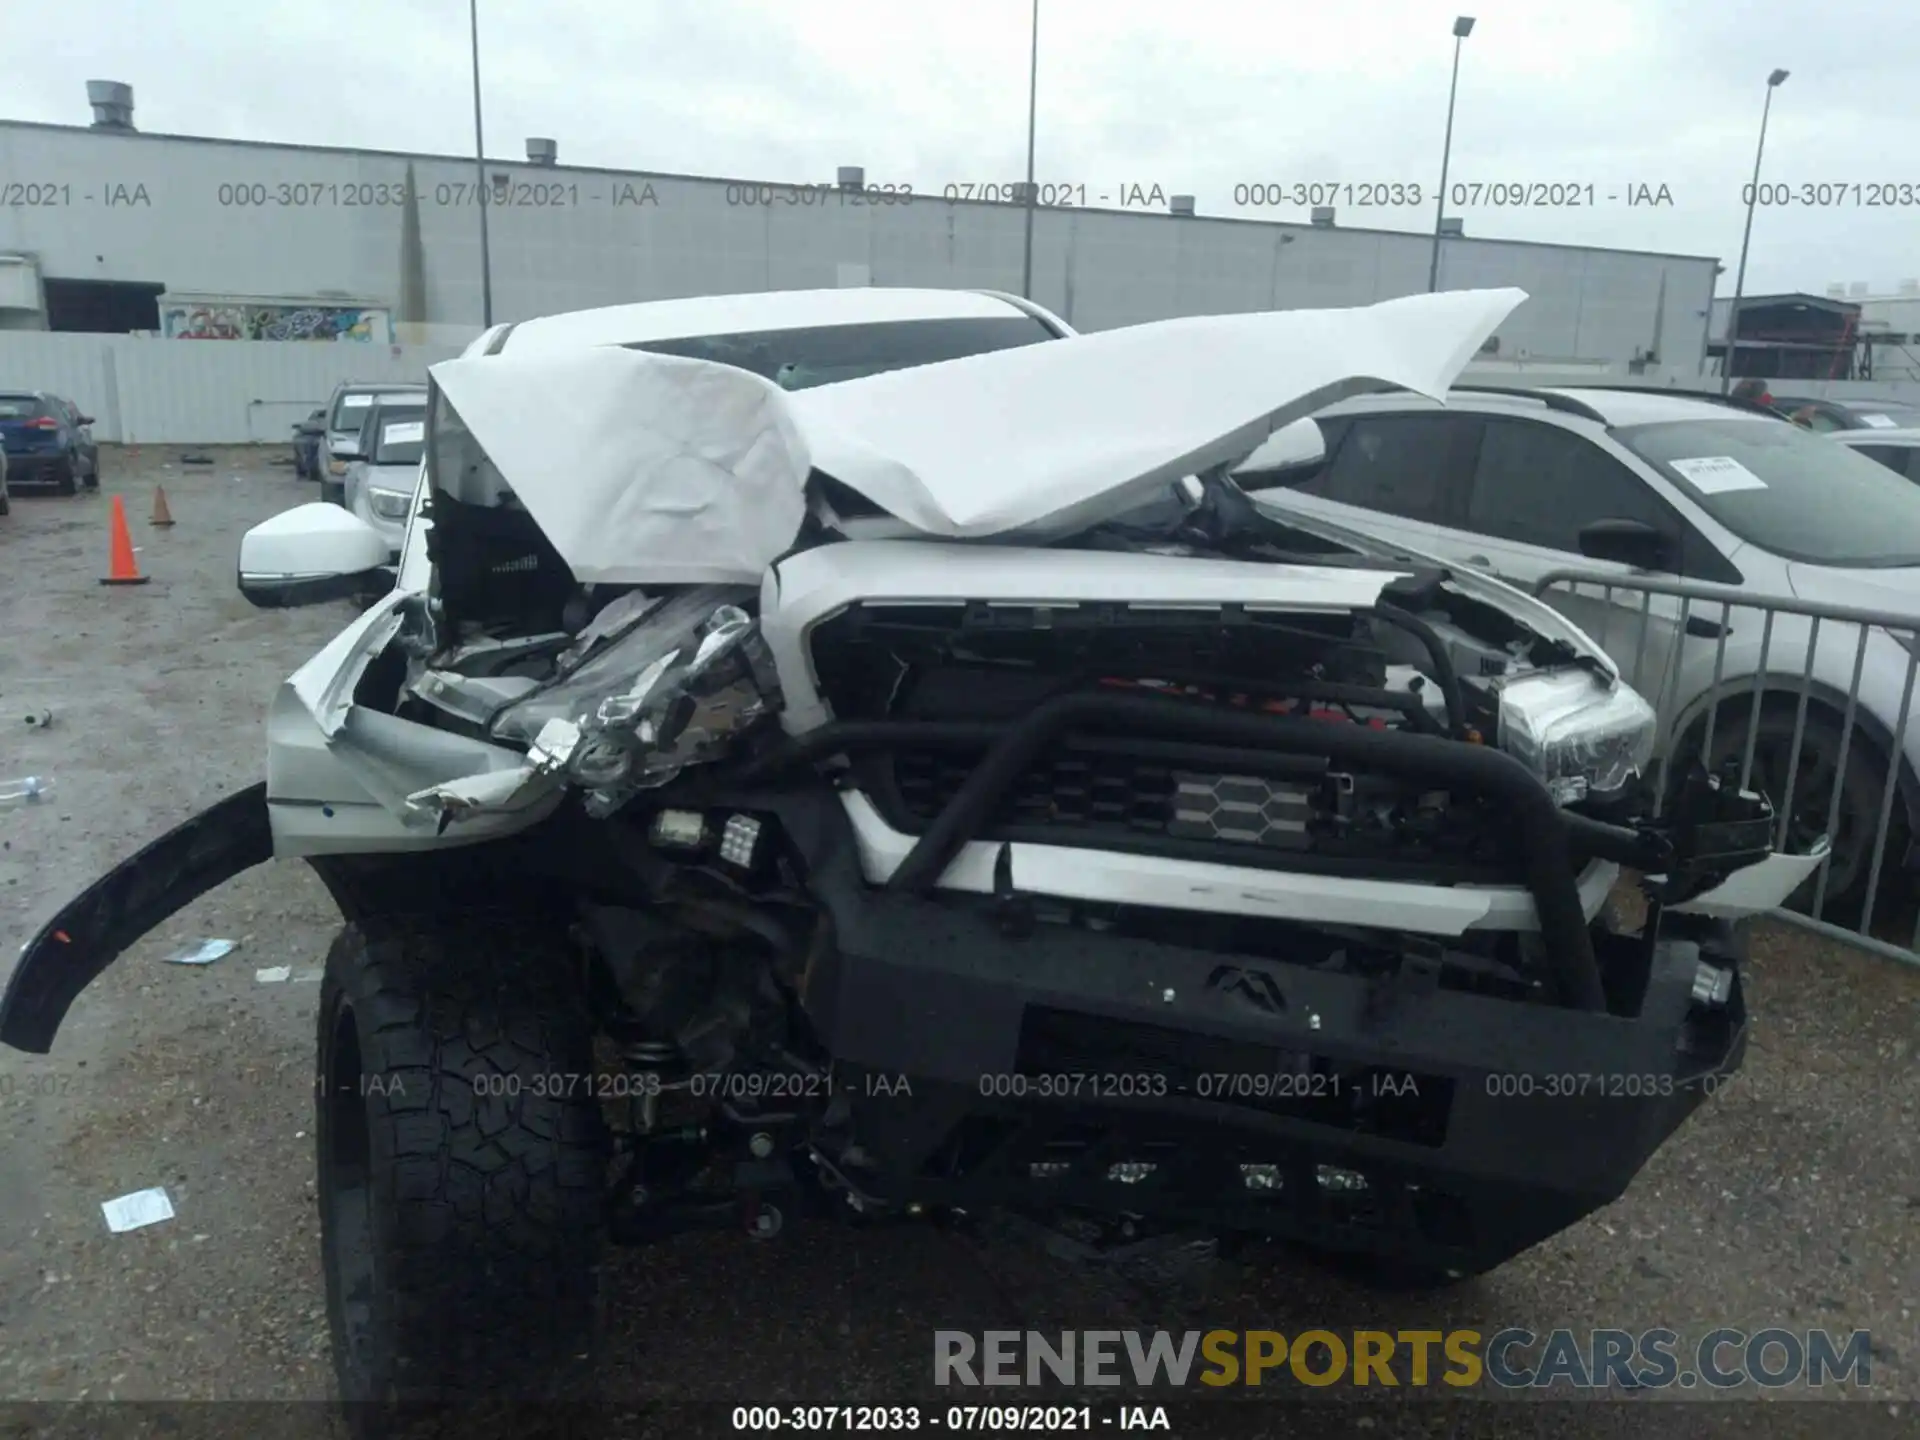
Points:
(198, 392)
(238, 392)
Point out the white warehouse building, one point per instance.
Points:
(114, 230)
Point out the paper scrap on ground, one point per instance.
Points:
(1717, 474)
(308, 977)
(273, 974)
(201, 952)
(142, 1207)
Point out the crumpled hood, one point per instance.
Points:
(650, 469)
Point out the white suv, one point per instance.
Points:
(1624, 482)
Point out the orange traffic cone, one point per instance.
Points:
(121, 569)
(161, 515)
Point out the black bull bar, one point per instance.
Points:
(1707, 835)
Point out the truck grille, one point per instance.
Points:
(1125, 793)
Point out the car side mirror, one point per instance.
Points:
(309, 554)
(1628, 542)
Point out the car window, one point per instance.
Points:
(351, 408)
(1786, 490)
(1541, 485)
(20, 407)
(828, 354)
(396, 436)
(1405, 465)
(1894, 457)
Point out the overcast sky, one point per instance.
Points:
(1196, 96)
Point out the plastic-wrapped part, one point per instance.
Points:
(680, 687)
(1578, 735)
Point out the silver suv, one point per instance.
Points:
(1520, 483)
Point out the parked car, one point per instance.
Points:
(1645, 482)
(1827, 416)
(900, 796)
(346, 413)
(384, 472)
(308, 436)
(47, 442)
(1898, 450)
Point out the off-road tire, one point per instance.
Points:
(461, 1167)
(65, 477)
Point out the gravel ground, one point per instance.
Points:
(1792, 1200)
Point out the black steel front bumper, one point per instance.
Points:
(1056, 1066)
(1075, 1068)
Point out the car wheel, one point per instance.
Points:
(93, 473)
(65, 477)
(333, 492)
(461, 1191)
(1814, 780)
(6, 501)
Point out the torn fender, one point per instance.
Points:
(90, 932)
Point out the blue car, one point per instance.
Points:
(47, 442)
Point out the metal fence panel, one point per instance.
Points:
(1725, 669)
(143, 390)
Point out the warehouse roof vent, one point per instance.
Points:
(1837, 290)
(1856, 289)
(853, 177)
(1323, 216)
(112, 104)
(1910, 287)
(542, 151)
(1180, 204)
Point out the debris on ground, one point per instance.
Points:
(38, 719)
(141, 1208)
(27, 790)
(196, 459)
(201, 952)
(273, 974)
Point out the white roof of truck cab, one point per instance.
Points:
(763, 310)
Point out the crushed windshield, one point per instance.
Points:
(1787, 490)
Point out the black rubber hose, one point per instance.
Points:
(1444, 673)
(1541, 830)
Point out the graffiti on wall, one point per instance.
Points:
(276, 322)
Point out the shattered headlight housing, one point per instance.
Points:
(1580, 736)
(681, 685)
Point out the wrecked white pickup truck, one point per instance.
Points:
(935, 792)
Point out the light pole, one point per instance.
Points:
(1462, 27)
(480, 174)
(1740, 277)
(1033, 96)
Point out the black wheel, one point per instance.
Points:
(93, 473)
(1813, 786)
(462, 1166)
(333, 492)
(65, 477)
(6, 501)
